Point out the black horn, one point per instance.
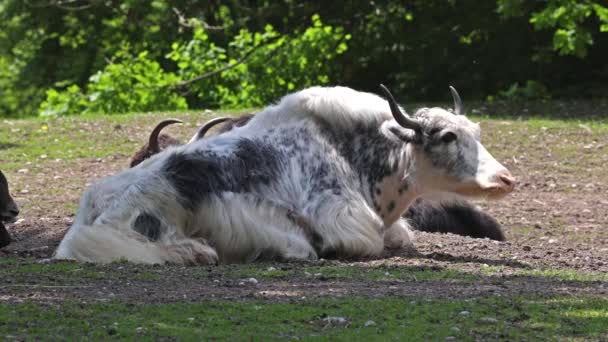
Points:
(200, 133)
(153, 142)
(399, 116)
(458, 109)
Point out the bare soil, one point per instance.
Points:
(556, 220)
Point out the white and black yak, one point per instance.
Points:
(326, 171)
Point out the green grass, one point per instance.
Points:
(21, 271)
(43, 140)
(552, 274)
(394, 319)
(344, 272)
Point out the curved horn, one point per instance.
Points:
(458, 109)
(153, 142)
(401, 118)
(200, 133)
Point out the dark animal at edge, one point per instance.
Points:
(8, 211)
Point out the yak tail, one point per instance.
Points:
(456, 216)
(105, 243)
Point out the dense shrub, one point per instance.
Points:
(252, 70)
(128, 83)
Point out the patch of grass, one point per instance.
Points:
(342, 272)
(40, 141)
(554, 274)
(364, 319)
(23, 270)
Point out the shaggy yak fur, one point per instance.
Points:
(328, 171)
(453, 215)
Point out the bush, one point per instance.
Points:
(259, 67)
(533, 90)
(254, 69)
(127, 84)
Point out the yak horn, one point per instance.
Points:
(401, 118)
(153, 142)
(200, 133)
(458, 109)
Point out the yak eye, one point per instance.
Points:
(434, 131)
(448, 137)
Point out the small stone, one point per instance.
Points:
(139, 329)
(450, 338)
(464, 313)
(252, 281)
(370, 323)
(455, 329)
(270, 269)
(23, 171)
(527, 248)
(489, 320)
(335, 321)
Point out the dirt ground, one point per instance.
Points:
(557, 219)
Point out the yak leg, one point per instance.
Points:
(345, 227)
(245, 227)
(398, 235)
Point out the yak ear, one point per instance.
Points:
(406, 135)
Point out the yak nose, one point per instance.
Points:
(507, 180)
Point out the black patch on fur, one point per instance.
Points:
(456, 217)
(198, 174)
(391, 206)
(148, 226)
(367, 150)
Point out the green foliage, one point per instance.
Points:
(259, 67)
(530, 91)
(566, 17)
(127, 84)
(249, 77)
